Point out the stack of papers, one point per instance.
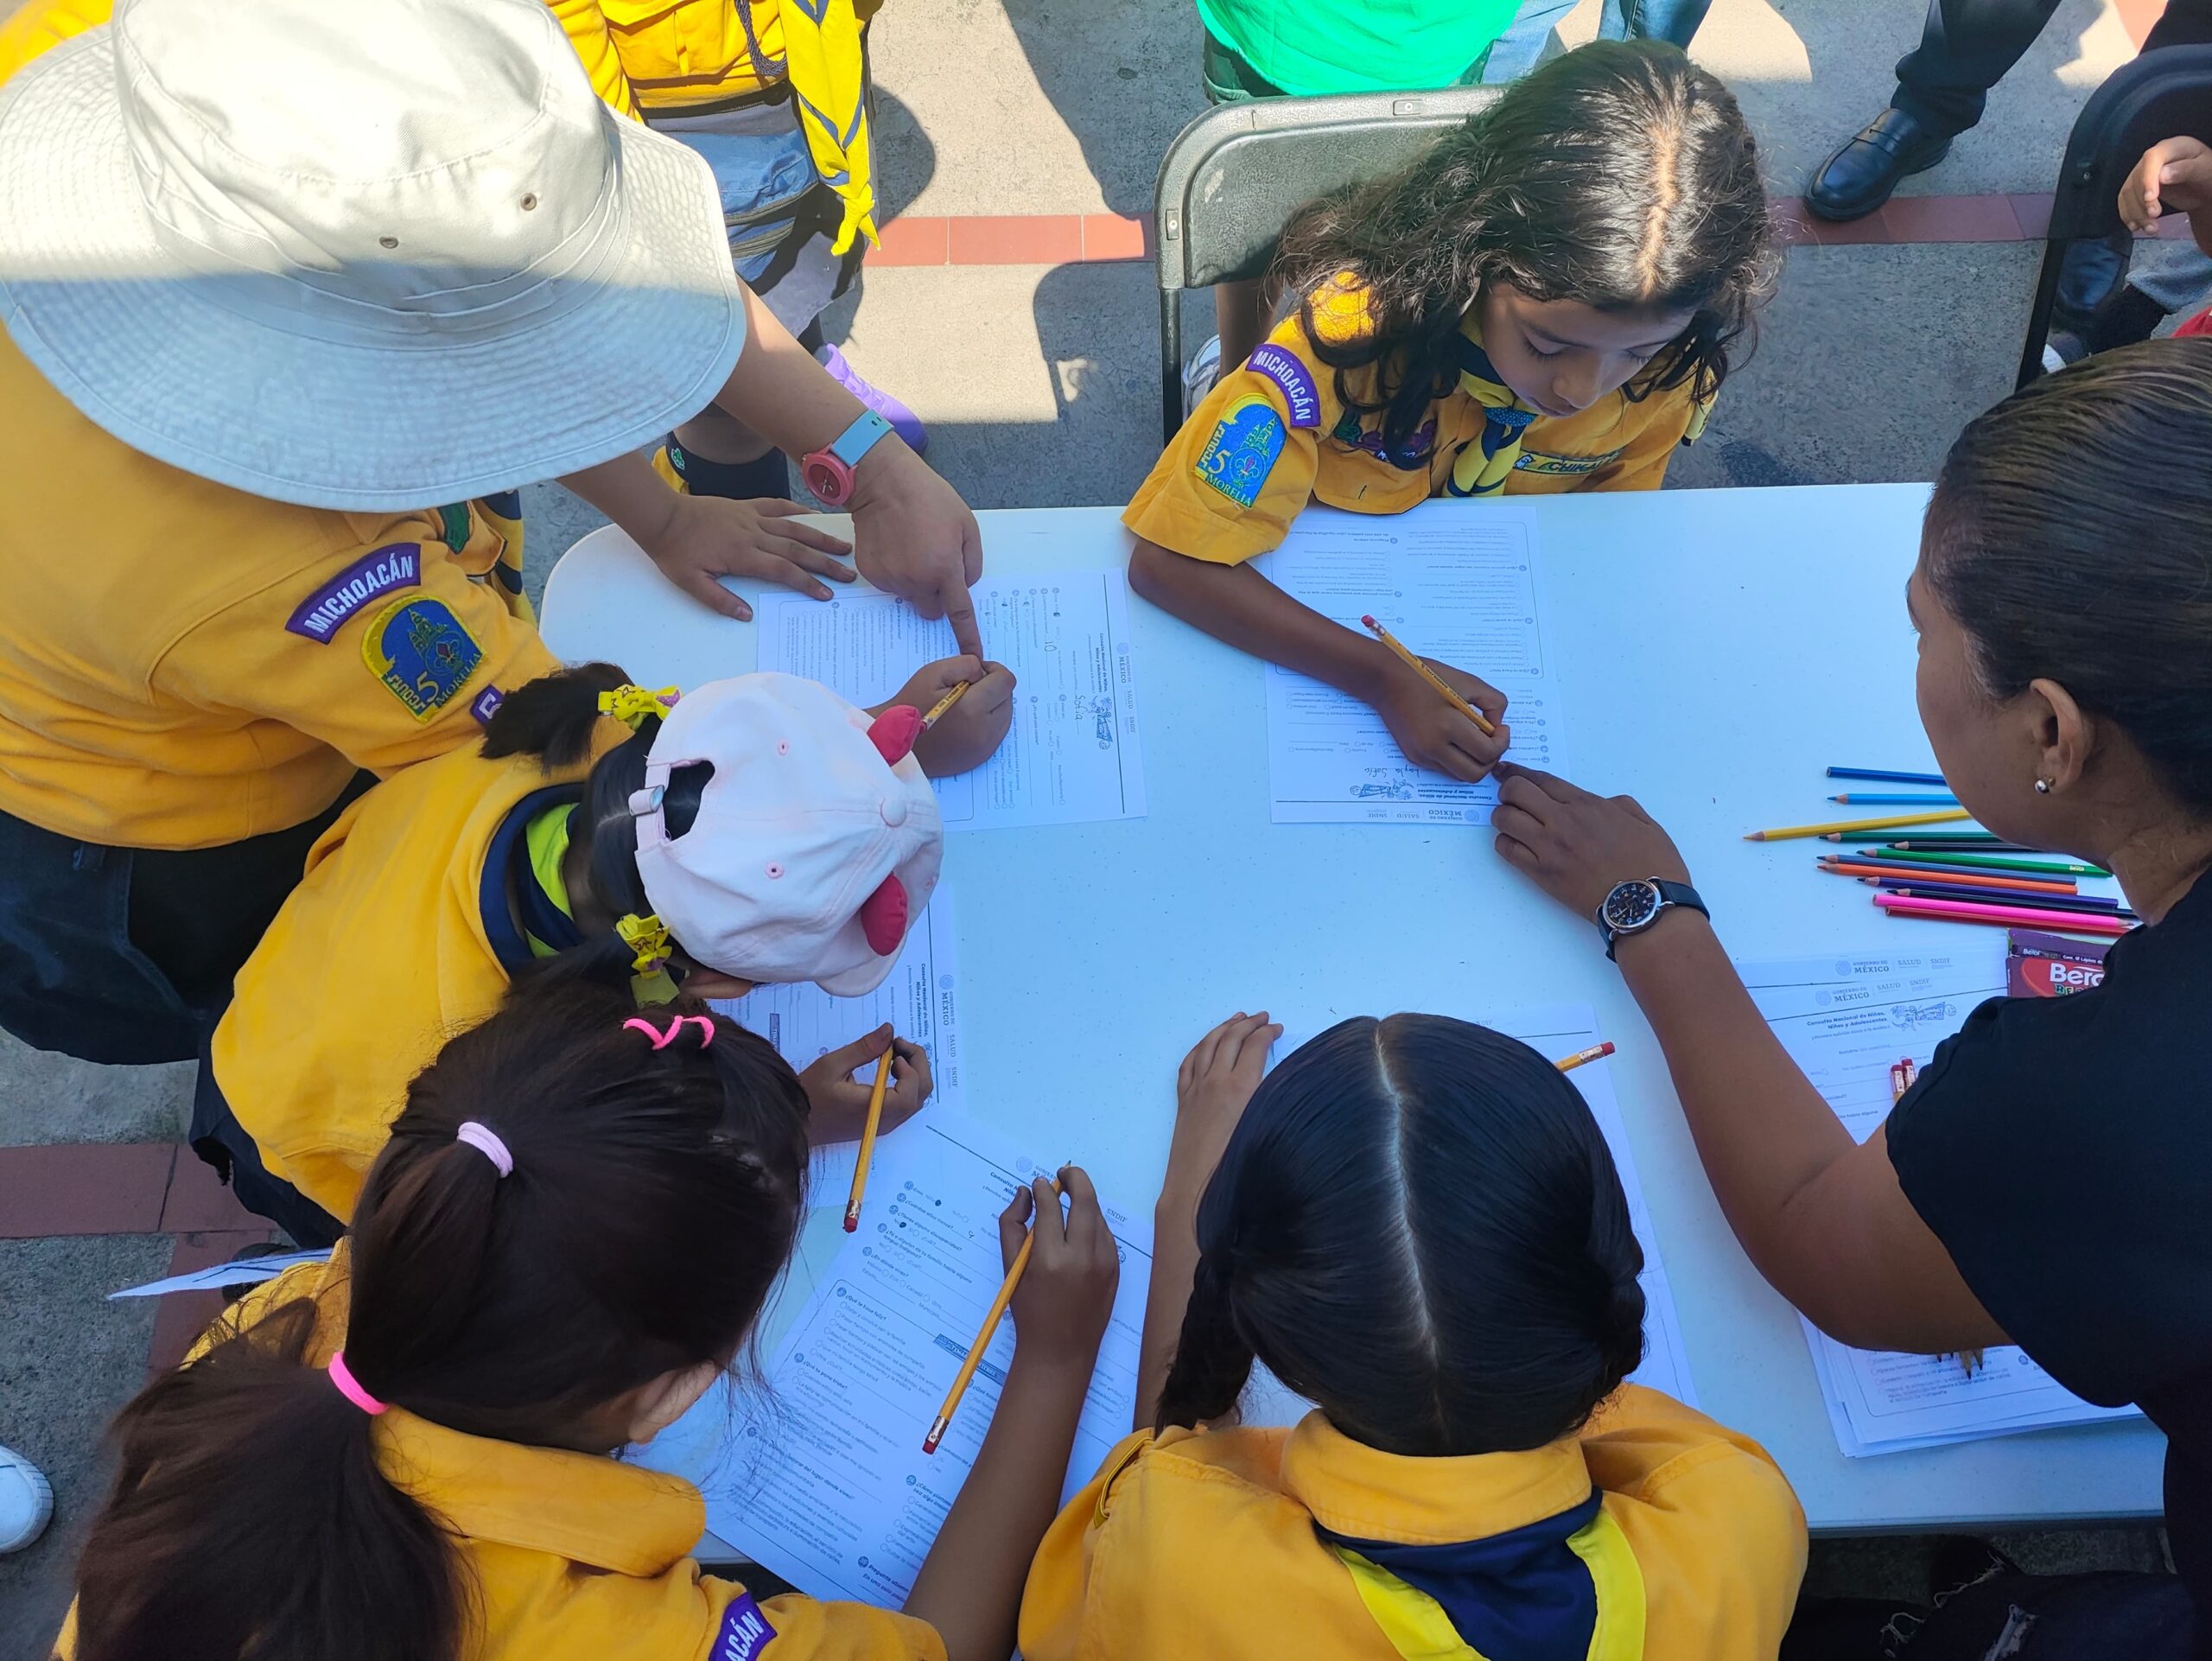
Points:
(1846, 1021)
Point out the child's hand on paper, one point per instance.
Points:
(707, 537)
(1578, 846)
(839, 1098)
(1430, 731)
(1216, 1080)
(1066, 1295)
(967, 734)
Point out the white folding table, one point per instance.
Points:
(1715, 650)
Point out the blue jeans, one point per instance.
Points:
(1514, 53)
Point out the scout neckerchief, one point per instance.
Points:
(549, 921)
(1563, 1588)
(829, 77)
(1481, 469)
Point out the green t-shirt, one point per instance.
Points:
(1308, 47)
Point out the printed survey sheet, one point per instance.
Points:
(1465, 587)
(1074, 753)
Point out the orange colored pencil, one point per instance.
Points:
(1847, 868)
(867, 1139)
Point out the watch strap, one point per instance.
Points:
(1670, 894)
(860, 438)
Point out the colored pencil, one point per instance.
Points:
(1896, 822)
(1990, 862)
(1901, 1073)
(1882, 776)
(943, 703)
(1908, 798)
(1986, 841)
(1940, 874)
(1955, 911)
(1432, 677)
(1945, 870)
(991, 1316)
(2088, 904)
(1595, 1053)
(867, 1139)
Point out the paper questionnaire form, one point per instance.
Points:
(825, 1480)
(1073, 755)
(1464, 587)
(1846, 1021)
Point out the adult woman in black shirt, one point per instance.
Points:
(2048, 1182)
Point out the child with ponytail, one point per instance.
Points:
(759, 828)
(1416, 1225)
(403, 1454)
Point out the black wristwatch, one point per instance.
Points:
(1635, 905)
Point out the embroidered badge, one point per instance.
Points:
(745, 1631)
(486, 704)
(1561, 465)
(1293, 380)
(422, 651)
(454, 526)
(1242, 452)
(322, 614)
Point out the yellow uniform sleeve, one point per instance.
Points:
(808, 1630)
(389, 654)
(1055, 1598)
(1243, 467)
(37, 29)
(1674, 419)
(1715, 1524)
(585, 24)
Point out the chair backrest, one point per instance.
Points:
(1233, 177)
(2162, 94)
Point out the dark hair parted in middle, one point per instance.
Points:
(1620, 175)
(1416, 1225)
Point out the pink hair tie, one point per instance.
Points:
(662, 1041)
(487, 1141)
(350, 1387)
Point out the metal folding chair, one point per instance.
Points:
(1232, 179)
(2162, 94)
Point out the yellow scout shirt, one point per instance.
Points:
(381, 954)
(184, 665)
(1672, 1539)
(1274, 435)
(577, 1557)
(669, 56)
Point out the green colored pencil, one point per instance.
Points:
(1991, 862)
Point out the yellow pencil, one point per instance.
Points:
(991, 1316)
(1432, 677)
(1595, 1053)
(867, 1140)
(942, 704)
(1891, 823)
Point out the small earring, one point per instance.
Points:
(2043, 786)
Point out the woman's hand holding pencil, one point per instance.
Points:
(840, 1102)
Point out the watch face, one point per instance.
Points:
(1630, 906)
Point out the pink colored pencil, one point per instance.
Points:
(1961, 911)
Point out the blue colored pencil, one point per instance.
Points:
(1880, 777)
(1928, 798)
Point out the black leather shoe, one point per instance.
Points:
(1859, 178)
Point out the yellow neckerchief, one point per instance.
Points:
(546, 837)
(829, 77)
(1481, 469)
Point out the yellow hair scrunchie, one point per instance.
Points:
(631, 704)
(650, 947)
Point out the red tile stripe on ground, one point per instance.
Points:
(1096, 239)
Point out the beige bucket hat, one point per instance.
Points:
(358, 254)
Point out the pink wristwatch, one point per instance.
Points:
(828, 473)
